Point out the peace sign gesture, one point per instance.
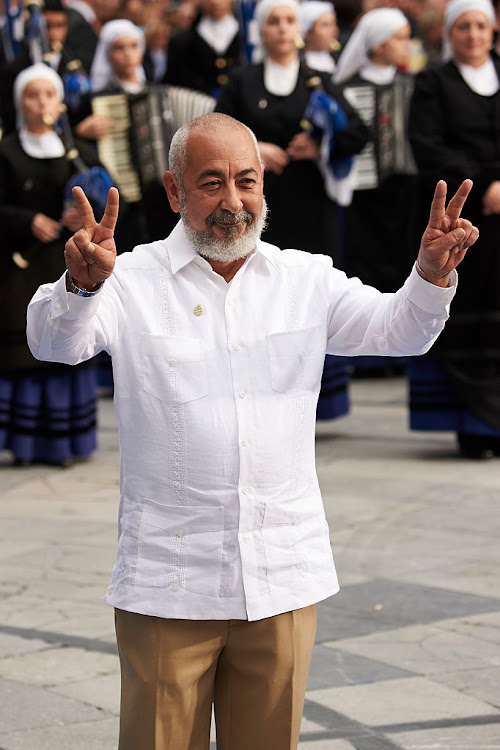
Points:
(447, 237)
(90, 254)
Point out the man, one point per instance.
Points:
(201, 57)
(70, 36)
(218, 342)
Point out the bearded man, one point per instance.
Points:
(218, 342)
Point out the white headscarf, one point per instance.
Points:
(101, 72)
(310, 11)
(264, 8)
(374, 28)
(454, 9)
(33, 73)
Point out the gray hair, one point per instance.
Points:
(209, 124)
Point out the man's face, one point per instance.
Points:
(57, 28)
(221, 198)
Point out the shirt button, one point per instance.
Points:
(236, 348)
(242, 394)
(295, 521)
(245, 490)
(175, 587)
(244, 443)
(179, 533)
(172, 362)
(245, 537)
(301, 355)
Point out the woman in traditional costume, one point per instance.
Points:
(455, 133)
(47, 411)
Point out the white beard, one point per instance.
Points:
(226, 250)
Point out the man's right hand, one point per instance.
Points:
(91, 253)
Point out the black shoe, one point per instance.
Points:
(477, 447)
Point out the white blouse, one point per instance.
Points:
(281, 80)
(482, 80)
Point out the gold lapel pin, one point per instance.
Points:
(198, 310)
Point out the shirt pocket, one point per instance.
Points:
(180, 548)
(296, 539)
(174, 368)
(296, 360)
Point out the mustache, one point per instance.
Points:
(226, 217)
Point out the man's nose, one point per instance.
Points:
(231, 200)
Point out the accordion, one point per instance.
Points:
(384, 109)
(136, 151)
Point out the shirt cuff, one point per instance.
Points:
(427, 296)
(69, 305)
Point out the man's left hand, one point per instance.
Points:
(447, 237)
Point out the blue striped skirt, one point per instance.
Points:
(435, 406)
(49, 416)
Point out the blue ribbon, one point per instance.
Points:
(327, 118)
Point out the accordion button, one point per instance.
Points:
(221, 63)
(262, 104)
(222, 79)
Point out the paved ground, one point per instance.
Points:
(407, 655)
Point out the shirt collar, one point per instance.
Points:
(181, 252)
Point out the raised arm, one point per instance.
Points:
(447, 236)
(90, 253)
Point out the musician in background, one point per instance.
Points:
(455, 130)
(318, 24)
(118, 69)
(48, 413)
(117, 64)
(69, 35)
(271, 98)
(202, 57)
(374, 55)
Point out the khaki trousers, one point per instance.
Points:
(173, 670)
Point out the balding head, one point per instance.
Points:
(212, 125)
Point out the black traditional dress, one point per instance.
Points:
(47, 411)
(301, 215)
(193, 64)
(455, 134)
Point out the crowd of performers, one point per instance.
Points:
(358, 108)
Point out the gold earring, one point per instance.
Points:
(299, 42)
(335, 45)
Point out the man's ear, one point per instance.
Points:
(172, 190)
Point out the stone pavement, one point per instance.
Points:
(407, 655)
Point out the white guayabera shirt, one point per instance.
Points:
(216, 385)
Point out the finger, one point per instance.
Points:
(84, 209)
(83, 244)
(110, 215)
(457, 202)
(72, 254)
(438, 205)
(471, 236)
